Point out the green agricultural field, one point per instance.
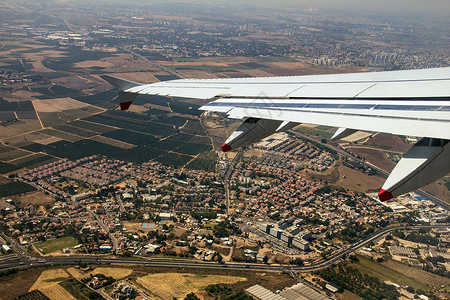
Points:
(75, 130)
(193, 149)
(201, 140)
(14, 188)
(182, 137)
(62, 135)
(253, 65)
(172, 121)
(16, 106)
(166, 77)
(152, 99)
(79, 290)
(185, 108)
(74, 55)
(383, 273)
(34, 160)
(139, 154)
(12, 154)
(167, 144)
(96, 99)
(205, 161)
(314, 131)
(83, 148)
(173, 159)
(56, 244)
(99, 128)
(50, 119)
(131, 137)
(6, 168)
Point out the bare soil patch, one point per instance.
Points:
(39, 67)
(286, 65)
(256, 73)
(142, 77)
(198, 74)
(393, 142)
(58, 104)
(376, 157)
(49, 140)
(33, 198)
(93, 63)
(358, 181)
(24, 94)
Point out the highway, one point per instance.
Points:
(31, 261)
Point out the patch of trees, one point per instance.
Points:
(417, 237)
(225, 229)
(364, 285)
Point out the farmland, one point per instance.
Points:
(171, 285)
(383, 273)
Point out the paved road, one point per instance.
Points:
(49, 261)
(382, 172)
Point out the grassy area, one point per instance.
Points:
(56, 244)
(314, 131)
(383, 273)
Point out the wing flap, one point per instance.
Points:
(393, 125)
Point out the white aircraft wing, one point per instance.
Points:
(411, 103)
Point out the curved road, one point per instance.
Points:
(49, 261)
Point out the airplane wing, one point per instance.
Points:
(410, 103)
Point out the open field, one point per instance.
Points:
(49, 278)
(18, 284)
(58, 104)
(56, 244)
(419, 275)
(33, 160)
(112, 142)
(56, 292)
(357, 181)
(384, 273)
(60, 135)
(375, 157)
(170, 285)
(33, 198)
(13, 154)
(116, 273)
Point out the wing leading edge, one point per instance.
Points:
(414, 103)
